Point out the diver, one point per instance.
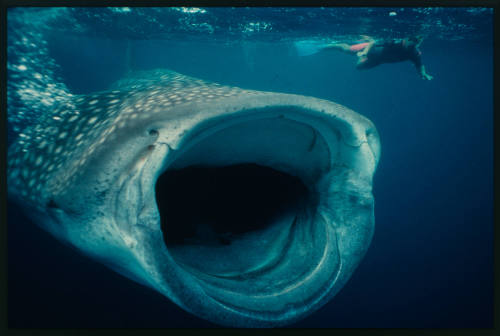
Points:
(373, 53)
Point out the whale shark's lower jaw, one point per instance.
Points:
(249, 211)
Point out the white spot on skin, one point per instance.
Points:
(72, 118)
(22, 67)
(58, 150)
(114, 101)
(63, 135)
(92, 102)
(79, 136)
(56, 118)
(92, 120)
(14, 173)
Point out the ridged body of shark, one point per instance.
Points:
(88, 172)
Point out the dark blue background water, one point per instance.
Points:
(430, 263)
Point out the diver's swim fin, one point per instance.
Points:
(310, 47)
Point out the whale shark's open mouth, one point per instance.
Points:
(241, 211)
(212, 217)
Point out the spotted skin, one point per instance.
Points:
(65, 139)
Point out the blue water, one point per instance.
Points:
(430, 263)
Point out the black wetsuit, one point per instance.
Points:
(391, 52)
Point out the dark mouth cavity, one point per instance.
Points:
(238, 207)
(213, 206)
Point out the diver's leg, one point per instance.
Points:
(365, 50)
(340, 46)
(361, 64)
(365, 63)
(368, 38)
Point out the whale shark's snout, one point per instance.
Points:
(245, 208)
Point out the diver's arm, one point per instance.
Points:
(420, 67)
(423, 74)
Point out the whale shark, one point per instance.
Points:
(140, 177)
